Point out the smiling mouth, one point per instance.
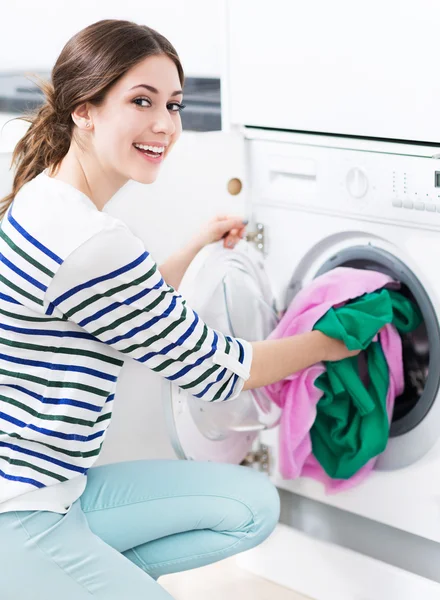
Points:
(152, 151)
(149, 155)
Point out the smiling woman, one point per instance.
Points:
(78, 294)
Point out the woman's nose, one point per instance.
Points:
(163, 123)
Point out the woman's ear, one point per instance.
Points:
(81, 116)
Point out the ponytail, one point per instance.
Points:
(45, 144)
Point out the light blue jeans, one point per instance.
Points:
(135, 522)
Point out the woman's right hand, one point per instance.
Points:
(334, 349)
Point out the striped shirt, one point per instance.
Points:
(79, 293)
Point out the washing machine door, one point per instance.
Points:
(230, 291)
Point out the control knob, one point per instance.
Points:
(357, 182)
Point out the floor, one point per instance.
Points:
(224, 580)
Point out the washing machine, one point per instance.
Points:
(316, 203)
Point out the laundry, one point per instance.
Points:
(392, 349)
(416, 369)
(352, 424)
(298, 396)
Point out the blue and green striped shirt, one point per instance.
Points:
(79, 293)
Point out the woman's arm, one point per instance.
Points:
(274, 360)
(111, 288)
(173, 269)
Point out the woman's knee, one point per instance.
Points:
(261, 498)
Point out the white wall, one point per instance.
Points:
(32, 33)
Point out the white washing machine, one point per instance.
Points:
(316, 203)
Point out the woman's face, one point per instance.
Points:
(139, 121)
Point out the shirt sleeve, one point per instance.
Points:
(111, 287)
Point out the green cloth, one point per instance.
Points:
(351, 425)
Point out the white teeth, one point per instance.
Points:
(156, 149)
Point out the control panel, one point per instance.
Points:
(377, 184)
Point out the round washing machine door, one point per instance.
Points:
(230, 291)
(415, 422)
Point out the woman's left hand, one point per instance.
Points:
(229, 227)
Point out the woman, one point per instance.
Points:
(78, 293)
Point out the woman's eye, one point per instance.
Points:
(138, 102)
(176, 107)
(146, 102)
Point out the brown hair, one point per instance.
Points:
(90, 63)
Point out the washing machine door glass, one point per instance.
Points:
(230, 291)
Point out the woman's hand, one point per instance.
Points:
(229, 227)
(334, 350)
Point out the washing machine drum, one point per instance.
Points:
(231, 293)
(415, 424)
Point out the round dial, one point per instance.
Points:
(357, 182)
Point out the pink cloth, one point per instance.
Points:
(297, 394)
